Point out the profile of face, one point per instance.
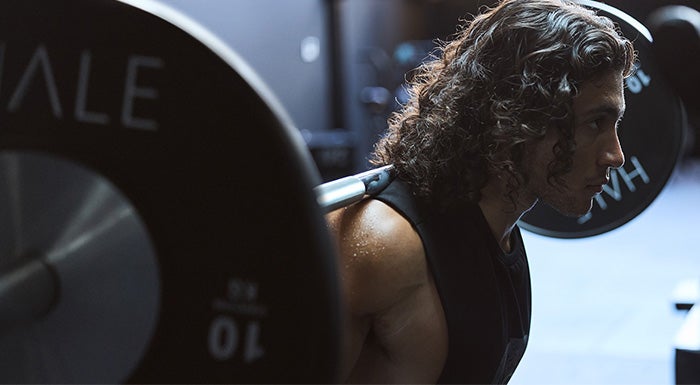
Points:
(597, 109)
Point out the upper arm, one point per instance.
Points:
(380, 253)
(381, 261)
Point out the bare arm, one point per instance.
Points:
(381, 260)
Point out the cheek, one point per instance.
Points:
(583, 158)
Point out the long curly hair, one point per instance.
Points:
(507, 76)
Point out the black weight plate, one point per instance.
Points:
(651, 135)
(187, 132)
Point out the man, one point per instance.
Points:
(521, 106)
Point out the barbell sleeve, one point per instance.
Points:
(350, 189)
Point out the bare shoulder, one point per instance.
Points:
(381, 255)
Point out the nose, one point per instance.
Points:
(612, 155)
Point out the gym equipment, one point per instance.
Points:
(676, 48)
(652, 133)
(145, 238)
(346, 191)
(687, 348)
(676, 32)
(79, 273)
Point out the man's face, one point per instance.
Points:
(597, 110)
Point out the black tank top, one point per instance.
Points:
(485, 293)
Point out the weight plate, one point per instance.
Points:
(165, 112)
(651, 135)
(100, 252)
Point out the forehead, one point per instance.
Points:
(601, 95)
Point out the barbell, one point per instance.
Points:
(162, 220)
(159, 248)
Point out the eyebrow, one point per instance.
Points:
(606, 109)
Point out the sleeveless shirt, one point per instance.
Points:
(485, 293)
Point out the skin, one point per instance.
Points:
(396, 330)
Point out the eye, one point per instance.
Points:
(596, 124)
(604, 123)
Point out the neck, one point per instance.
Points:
(500, 213)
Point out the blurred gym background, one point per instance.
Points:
(607, 309)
